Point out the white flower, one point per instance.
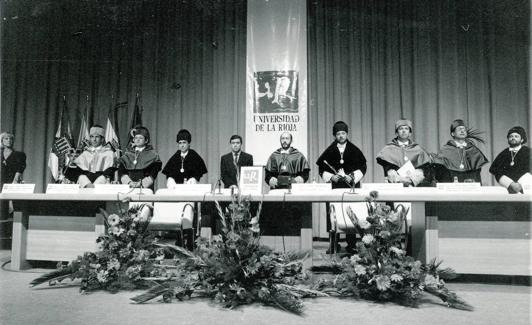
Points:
(431, 281)
(383, 282)
(368, 239)
(364, 224)
(360, 270)
(355, 258)
(384, 234)
(254, 222)
(102, 276)
(396, 278)
(117, 231)
(113, 219)
(397, 251)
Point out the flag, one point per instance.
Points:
(62, 146)
(111, 136)
(136, 120)
(84, 137)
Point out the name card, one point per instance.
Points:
(459, 187)
(62, 189)
(251, 179)
(192, 188)
(382, 186)
(311, 188)
(18, 188)
(111, 188)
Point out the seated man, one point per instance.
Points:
(230, 163)
(511, 168)
(286, 163)
(343, 165)
(140, 165)
(95, 165)
(285, 166)
(186, 165)
(401, 151)
(460, 157)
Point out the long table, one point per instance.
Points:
(61, 226)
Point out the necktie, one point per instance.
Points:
(235, 161)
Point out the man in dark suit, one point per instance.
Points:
(230, 163)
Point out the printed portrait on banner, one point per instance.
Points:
(276, 92)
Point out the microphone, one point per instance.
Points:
(218, 187)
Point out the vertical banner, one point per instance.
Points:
(276, 82)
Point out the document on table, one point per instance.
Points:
(406, 170)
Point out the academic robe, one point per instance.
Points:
(92, 163)
(502, 164)
(463, 163)
(353, 159)
(180, 168)
(393, 156)
(147, 164)
(292, 164)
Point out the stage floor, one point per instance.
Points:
(19, 304)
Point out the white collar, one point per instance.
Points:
(287, 151)
(403, 143)
(183, 155)
(94, 149)
(515, 149)
(139, 149)
(460, 145)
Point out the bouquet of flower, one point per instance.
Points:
(234, 268)
(127, 253)
(381, 271)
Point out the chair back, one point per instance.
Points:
(171, 215)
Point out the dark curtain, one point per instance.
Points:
(372, 62)
(185, 59)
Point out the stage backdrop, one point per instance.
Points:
(276, 83)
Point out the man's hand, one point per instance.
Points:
(299, 179)
(335, 178)
(406, 181)
(192, 180)
(133, 184)
(273, 182)
(348, 179)
(393, 176)
(515, 188)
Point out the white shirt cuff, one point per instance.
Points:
(327, 177)
(505, 181)
(357, 175)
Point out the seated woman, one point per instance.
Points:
(140, 165)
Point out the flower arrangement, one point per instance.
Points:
(381, 271)
(127, 254)
(234, 268)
